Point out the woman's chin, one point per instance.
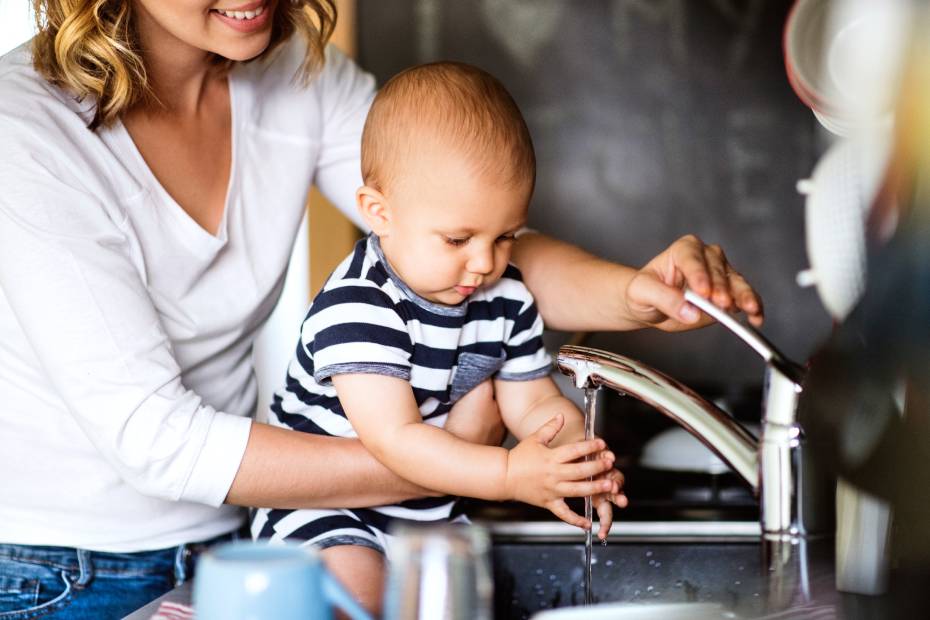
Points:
(240, 52)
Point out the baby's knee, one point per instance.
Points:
(361, 571)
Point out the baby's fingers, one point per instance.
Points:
(584, 469)
(619, 500)
(576, 451)
(584, 488)
(617, 496)
(560, 509)
(605, 515)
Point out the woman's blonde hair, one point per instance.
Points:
(90, 48)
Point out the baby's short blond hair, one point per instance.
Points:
(456, 106)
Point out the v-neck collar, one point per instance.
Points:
(194, 229)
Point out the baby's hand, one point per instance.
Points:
(543, 476)
(604, 502)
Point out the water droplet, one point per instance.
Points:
(652, 562)
(649, 554)
(636, 593)
(609, 563)
(741, 567)
(737, 582)
(551, 577)
(658, 564)
(649, 588)
(539, 571)
(756, 594)
(604, 543)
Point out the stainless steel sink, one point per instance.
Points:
(539, 565)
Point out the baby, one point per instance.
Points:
(427, 314)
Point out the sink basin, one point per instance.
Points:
(718, 564)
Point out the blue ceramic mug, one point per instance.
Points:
(256, 581)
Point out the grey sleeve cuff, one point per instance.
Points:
(529, 375)
(324, 375)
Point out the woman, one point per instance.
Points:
(156, 159)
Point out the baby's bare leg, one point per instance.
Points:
(361, 570)
(476, 417)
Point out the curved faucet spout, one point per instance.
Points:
(715, 428)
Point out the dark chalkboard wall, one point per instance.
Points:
(651, 119)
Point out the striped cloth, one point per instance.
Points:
(367, 320)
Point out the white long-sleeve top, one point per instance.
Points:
(126, 329)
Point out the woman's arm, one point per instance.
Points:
(576, 291)
(289, 469)
(282, 468)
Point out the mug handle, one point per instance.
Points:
(337, 595)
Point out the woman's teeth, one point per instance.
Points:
(242, 14)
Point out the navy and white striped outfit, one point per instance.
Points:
(366, 320)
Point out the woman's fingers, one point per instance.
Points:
(730, 289)
(718, 268)
(689, 258)
(746, 299)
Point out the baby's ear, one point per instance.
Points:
(374, 209)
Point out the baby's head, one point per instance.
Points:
(449, 168)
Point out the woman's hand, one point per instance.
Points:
(576, 291)
(654, 295)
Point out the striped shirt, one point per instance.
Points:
(366, 320)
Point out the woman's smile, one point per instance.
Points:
(244, 18)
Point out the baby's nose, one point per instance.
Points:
(482, 261)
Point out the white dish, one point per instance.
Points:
(676, 449)
(844, 59)
(637, 611)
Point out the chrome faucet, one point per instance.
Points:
(773, 465)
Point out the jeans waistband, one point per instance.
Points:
(177, 560)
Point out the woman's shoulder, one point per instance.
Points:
(276, 86)
(30, 103)
(50, 160)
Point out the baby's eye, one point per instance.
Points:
(507, 237)
(457, 241)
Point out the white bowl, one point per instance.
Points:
(638, 611)
(844, 59)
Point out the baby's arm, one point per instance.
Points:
(384, 413)
(525, 405)
(475, 417)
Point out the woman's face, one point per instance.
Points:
(233, 29)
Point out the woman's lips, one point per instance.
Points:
(246, 17)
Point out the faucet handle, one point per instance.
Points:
(750, 336)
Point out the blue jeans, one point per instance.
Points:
(74, 584)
